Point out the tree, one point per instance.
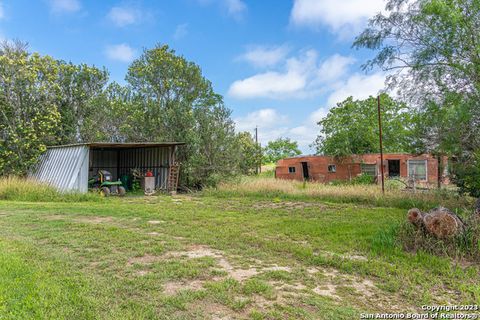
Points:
(352, 127)
(174, 102)
(28, 113)
(433, 45)
(250, 152)
(79, 88)
(280, 149)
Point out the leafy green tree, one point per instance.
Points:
(433, 47)
(250, 152)
(28, 113)
(79, 89)
(352, 127)
(280, 149)
(174, 102)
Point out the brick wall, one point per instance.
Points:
(350, 167)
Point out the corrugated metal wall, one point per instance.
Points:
(65, 168)
(121, 161)
(69, 168)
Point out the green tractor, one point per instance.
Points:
(103, 182)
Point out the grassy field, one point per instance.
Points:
(249, 251)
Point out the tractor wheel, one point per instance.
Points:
(105, 191)
(121, 191)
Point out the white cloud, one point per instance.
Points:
(359, 86)
(265, 56)
(345, 17)
(181, 31)
(273, 125)
(124, 16)
(306, 133)
(64, 6)
(335, 67)
(234, 8)
(301, 76)
(263, 118)
(120, 52)
(267, 85)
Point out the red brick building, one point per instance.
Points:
(425, 167)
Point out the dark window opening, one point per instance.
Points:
(393, 168)
(306, 175)
(332, 168)
(291, 169)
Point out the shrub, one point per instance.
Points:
(363, 179)
(21, 189)
(466, 174)
(394, 184)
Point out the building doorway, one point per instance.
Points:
(306, 175)
(393, 168)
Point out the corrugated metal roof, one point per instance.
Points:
(118, 145)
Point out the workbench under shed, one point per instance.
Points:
(69, 167)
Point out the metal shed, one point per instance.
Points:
(69, 167)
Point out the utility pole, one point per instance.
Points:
(256, 143)
(381, 144)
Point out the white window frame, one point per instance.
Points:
(334, 168)
(294, 170)
(426, 168)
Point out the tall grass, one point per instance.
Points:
(361, 194)
(21, 189)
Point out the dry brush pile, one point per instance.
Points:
(443, 232)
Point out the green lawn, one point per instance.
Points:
(208, 257)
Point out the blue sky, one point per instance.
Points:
(280, 64)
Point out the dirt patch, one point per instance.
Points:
(145, 260)
(153, 234)
(277, 268)
(312, 270)
(156, 221)
(288, 205)
(173, 287)
(83, 219)
(293, 287)
(213, 311)
(327, 290)
(196, 251)
(333, 285)
(93, 219)
(239, 274)
(355, 257)
(54, 217)
(365, 287)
